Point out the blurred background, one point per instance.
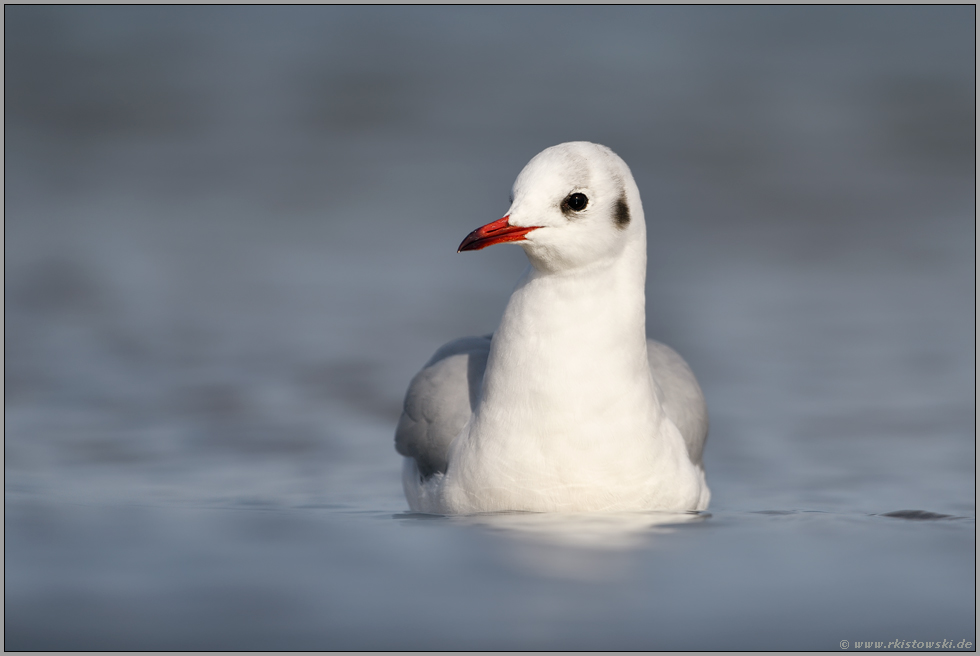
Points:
(230, 243)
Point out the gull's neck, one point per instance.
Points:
(569, 358)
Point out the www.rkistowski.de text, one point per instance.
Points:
(907, 644)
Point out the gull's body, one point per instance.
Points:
(568, 407)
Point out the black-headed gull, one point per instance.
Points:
(567, 407)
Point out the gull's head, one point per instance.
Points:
(573, 205)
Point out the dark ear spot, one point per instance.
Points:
(622, 213)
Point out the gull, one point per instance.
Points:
(567, 407)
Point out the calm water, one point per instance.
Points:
(230, 243)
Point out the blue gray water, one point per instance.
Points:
(230, 243)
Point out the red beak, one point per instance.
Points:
(494, 233)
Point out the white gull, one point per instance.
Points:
(567, 407)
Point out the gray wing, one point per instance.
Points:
(681, 397)
(439, 402)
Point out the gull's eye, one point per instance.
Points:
(574, 203)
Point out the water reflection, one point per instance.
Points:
(606, 532)
(580, 546)
(572, 546)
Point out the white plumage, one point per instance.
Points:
(568, 407)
